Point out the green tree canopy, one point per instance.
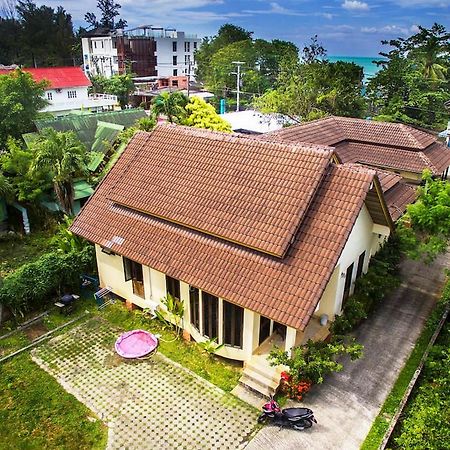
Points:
(262, 60)
(306, 91)
(172, 105)
(37, 36)
(16, 163)
(413, 84)
(109, 11)
(65, 158)
(21, 98)
(121, 85)
(203, 115)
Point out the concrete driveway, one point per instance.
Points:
(152, 404)
(349, 401)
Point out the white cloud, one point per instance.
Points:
(395, 30)
(422, 3)
(355, 5)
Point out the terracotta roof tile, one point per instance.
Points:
(285, 289)
(382, 144)
(224, 185)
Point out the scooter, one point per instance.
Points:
(297, 418)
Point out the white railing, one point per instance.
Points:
(103, 97)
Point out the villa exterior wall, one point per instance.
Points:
(365, 237)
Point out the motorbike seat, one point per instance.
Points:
(296, 412)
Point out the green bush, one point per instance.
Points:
(32, 285)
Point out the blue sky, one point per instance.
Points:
(345, 27)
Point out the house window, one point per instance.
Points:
(195, 45)
(210, 315)
(71, 94)
(49, 96)
(174, 83)
(348, 284)
(175, 72)
(187, 46)
(186, 59)
(194, 305)
(360, 267)
(174, 46)
(233, 324)
(133, 271)
(174, 60)
(173, 287)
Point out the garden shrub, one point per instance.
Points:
(34, 284)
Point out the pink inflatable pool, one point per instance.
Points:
(135, 344)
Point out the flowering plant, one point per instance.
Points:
(294, 389)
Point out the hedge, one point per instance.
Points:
(32, 285)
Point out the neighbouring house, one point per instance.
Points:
(145, 51)
(393, 147)
(259, 239)
(254, 122)
(68, 90)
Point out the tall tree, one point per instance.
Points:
(65, 157)
(109, 11)
(412, 85)
(21, 98)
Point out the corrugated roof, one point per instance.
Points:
(58, 77)
(286, 289)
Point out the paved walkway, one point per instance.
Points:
(152, 404)
(347, 404)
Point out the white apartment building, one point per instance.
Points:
(148, 51)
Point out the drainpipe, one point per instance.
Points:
(25, 221)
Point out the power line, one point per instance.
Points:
(238, 81)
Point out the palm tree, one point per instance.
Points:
(65, 157)
(6, 190)
(172, 105)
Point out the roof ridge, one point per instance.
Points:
(230, 137)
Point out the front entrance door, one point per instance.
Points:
(264, 329)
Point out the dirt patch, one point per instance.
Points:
(35, 330)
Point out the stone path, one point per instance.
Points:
(150, 404)
(348, 402)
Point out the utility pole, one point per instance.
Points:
(238, 81)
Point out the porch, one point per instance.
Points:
(258, 375)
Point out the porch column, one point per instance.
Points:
(248, 340)
(291, 335)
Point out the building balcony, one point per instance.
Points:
(93, 101)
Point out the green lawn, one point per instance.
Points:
(188, 354)
(37, 413)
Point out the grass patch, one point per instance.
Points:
(37, 413)
(390, 406)
(17, 250)
(188, 354)
(12, 343)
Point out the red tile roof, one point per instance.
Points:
(286, 289)
(58, 77)
(382, 144)
(264, 190)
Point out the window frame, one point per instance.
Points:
(173, 284)
(233, 325)
(210, 310)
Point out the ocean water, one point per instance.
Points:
(370, 69)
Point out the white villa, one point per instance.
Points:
(263, 241)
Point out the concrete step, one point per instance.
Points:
(269, 379)
(256, 386)
(249, 396)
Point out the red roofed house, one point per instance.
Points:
(259, 239)
(68, 90)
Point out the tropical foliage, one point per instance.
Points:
(425, 228)
(262, 61)
(203, 115)
(120, 85)
(65, 158)
(314, 87)
(21, 98)
(36, 36)
(413, 84)
(33, 284)
(171, 105)
(314, 360)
